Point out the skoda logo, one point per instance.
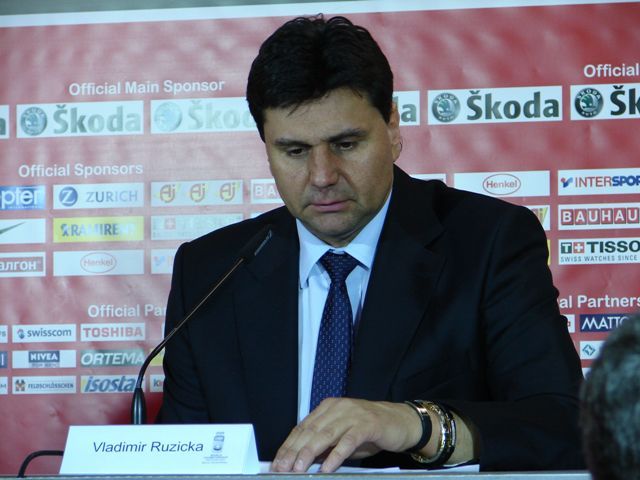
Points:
(167, 117)
(588, 102)
(33, 121)
(445, 107)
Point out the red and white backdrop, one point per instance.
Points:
(123, 134)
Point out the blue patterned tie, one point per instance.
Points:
(333, 353)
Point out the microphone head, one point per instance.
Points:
(257, 243)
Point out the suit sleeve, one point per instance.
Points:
(532, 370)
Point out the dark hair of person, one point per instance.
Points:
(610, 406)
(308, 57)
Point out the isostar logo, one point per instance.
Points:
(44, 333)
(107, 383)
(80, 119)
(408, 104)
(589, 350)
(44, 359)
(156, 382)
(112, 358)
(596, 216)
(505, 184)
(201, 115)
(264, 191)
(592, 251)
(23, 197)
(106, 262)
(22, 231)
(4, 122)
(542, 212)
(4, 359)
(98, 229)
(599, 181)
(44, 385)
(495, 105)
(162, 260)
(111, 332)
(22, 264)
(601, 322)
(194, 193)
(605, 102)
(188, 227)
(98, 195)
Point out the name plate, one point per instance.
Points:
(160, 449)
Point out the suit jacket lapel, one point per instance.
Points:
(404, 275)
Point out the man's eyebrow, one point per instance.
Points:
(356, 133)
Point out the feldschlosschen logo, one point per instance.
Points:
(588, 102)
(445, 107)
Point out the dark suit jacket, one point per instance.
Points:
(460, 309)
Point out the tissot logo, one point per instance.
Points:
(188, 227)
(599, 251)
(193, 193)
(598, 216)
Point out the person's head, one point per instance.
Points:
(610, 406)
(320, 92)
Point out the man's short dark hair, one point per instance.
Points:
(308, 57)
(610, 406)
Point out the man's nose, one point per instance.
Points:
(324, 167)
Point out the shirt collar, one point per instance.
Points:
(362, 247)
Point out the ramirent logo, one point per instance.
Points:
(188, 227)
(80, 119)
(495, 105)
(107, 383)
(598, 216)
(98, 229)
(111, 332)
(201, 115)
(44, 333)
(599, 181)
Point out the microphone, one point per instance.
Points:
(246, 254)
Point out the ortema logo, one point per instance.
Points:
(408, 107)
(48, 385)
(601, 322)
(4, 122)
(505, 184)
(542, 212)
(206, 192)
(201, 115)
(162, 260)
(111, 358)
(107, 383)
(22, 197)
(98, 195)
(4, 334)
(80, 119)
(24, 264)
(156, 382)
(598, 216)
(599, 182)
(605, 102)
(44, 333)
(44, 359)
(495, 105)
(111, 332)
(22, 230)
(110, 262)
(98, 229)
(591, 251)
(188, 227)
(590, 350)
(264, 191)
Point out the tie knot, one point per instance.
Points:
(338, 266)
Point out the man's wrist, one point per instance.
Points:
(446, 426)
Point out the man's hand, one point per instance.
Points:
(342, 428)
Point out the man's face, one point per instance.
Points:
(332, 160)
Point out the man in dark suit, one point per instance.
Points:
(457, 350)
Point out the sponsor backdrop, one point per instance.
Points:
(124, 134)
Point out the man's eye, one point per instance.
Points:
(345, 146)
(296, 152)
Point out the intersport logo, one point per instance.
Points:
(598, 216)
(608, 181)
(505, 184)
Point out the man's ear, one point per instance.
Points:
(393, 128)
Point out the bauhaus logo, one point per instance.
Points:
(194, 193)
(598, 216)
(505, 184)
(591, 251)
(22, 197)
(80, 119)
(605, 102)
(188, 227)
(599, 181)
(98, 195)
(495, 105)
(264, 191)
(107, 383)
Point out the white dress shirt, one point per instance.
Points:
(314, 288)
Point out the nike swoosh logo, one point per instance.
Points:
(5, 230)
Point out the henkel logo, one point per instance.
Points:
(107, 383)
(23, 197)
(599, 181)
(162, 260)
(44, 359)
(22, 231)
(105, 262)
(589, 350)
(4, 122)
(111, 332)
(591, 251)
(44, 385)
(264, 191)
(44, 333)
(596, 216)
(80, 119)
(98, 195)
(188, 227)
(505, 184)
(601, 322)
(194, 193)
(22, 264)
